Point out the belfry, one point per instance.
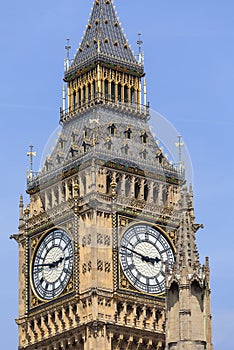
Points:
(107, 242)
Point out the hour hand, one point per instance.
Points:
(52, 264)
(156, 259)
(55, 264)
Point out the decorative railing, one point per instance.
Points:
(135, 67)
(107, 101)
(115, 158)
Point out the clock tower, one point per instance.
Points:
(107, 250)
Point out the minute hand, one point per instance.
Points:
(143, 257)
(51, 265)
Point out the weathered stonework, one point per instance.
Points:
(105, 174)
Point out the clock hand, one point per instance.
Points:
(51, 265)
(156, 259)
(144, 257)
(58, 262)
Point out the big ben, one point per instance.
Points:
(107, 249)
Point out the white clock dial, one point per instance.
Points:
(52, 264)
(143, 254)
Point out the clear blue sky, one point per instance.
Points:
(189, 60)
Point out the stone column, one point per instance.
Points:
(122, 93)
(142, 189)
(132, 188)
(159, 200)
(151, 192)
(123, 184)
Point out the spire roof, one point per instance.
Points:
(187, 253)
(104, 39)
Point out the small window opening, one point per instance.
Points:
(113, 91)
(125, 93)
(84, 95)
(112, 129)
(132, 94)
(128, 133)
(74, 100)
(106, 89)
(144, 138)
(119, 92)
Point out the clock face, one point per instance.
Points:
(143, 255)
(52, 264)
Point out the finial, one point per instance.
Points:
(21, 207)
(67, 47)
(140, 53)
(31, 154)
(180, 144)
(67, 59)
(145, 92)
(64, 97)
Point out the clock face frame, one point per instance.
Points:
(52, 264)
(143, 253)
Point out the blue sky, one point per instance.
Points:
(189, 60)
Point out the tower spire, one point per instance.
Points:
(180, 144)
(188, 291)
(67, 59)
(31, 154)
(187, 253)
(104, 35)
(140, 53)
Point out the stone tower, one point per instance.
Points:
(188, 288)
(104, 262)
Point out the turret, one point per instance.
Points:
(188, 291)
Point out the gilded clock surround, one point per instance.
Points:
(35, 299)
(124, 224)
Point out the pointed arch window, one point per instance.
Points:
(79, 97)
(144, 154)
(108, 184)
(125, 149)
(159, 156)
(84, 94)
(73, 151)
(94, 89)
(128, 134)
(85, 147)
(60, 157)
(113, 91)
(89, 92)
(127, 186)
(108, 144)
(137, 189)
(146, 191)
(106, 89)
(132, 95)
(119, 92)
(74, 135)
(112, 129)
(125, 93)
(74, 100)
(144, 138)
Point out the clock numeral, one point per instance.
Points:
(147, 236)
(54, 251)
